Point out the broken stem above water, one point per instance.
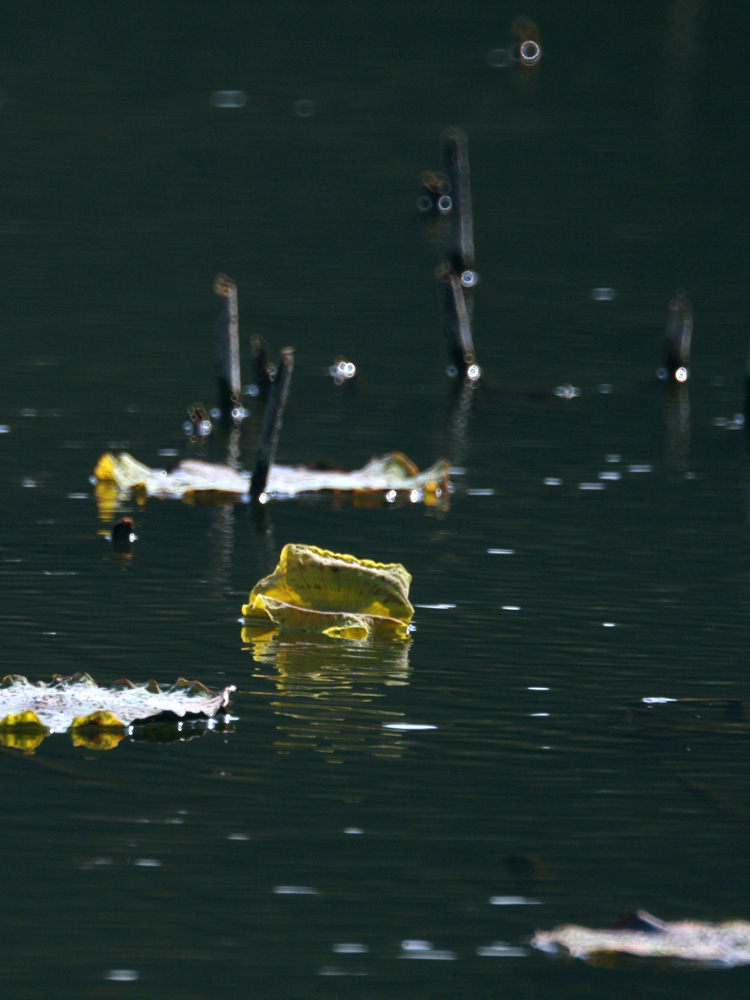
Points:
(269, 435)
(228, 352)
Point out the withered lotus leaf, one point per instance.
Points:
(198, 480)
(77, 702)
(314, 590)
(645, 936)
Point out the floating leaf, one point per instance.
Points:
(203, 482)
(645, 936)
(29, 712)
(314, 590)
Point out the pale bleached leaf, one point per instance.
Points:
(645, 936)
(194, 479)
(66, 702)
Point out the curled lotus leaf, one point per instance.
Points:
(22, 731)
(314, 590)
(207, 482)
(645, 936)
(78, 703)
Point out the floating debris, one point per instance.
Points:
(436, 191)
(338, 595)
(342, 370)
(123, 536)
(117, 476)
(646, 936)
(198, 423)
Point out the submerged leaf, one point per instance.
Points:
(202, 481)
(78, 703)
(314, 590)
(646, 936)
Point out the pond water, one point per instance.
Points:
(383, 820)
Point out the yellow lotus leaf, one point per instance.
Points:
(23, 720)
(22, 731)
(123, 470)
(105, 720)
(314, 590)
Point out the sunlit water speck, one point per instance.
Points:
(513, 900)
(121, 975)
(295, 890)
(499, 949)
(408, 726)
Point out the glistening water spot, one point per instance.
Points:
(229, 98)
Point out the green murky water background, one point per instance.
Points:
(488, 778)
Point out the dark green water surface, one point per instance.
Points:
(489, 777)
